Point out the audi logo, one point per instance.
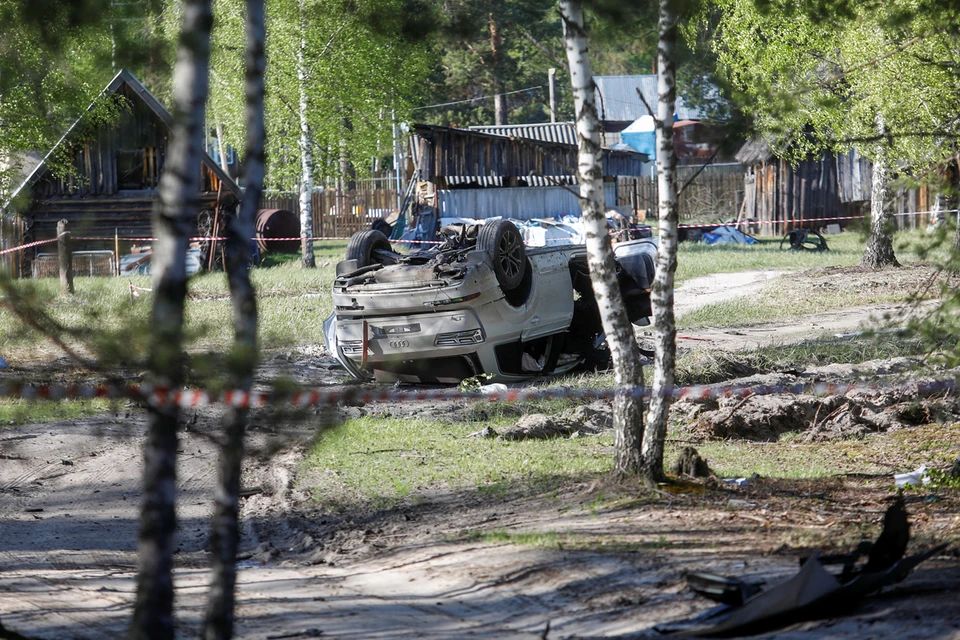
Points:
(399, 344)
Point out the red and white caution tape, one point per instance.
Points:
(187, 398)
(801, 221)
(27, 246)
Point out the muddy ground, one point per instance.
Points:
(610, 561)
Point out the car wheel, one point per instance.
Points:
(363, 244)
(504, 244)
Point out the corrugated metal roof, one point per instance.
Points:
(617, 98)
(564, 132)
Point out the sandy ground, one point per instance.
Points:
(69, 494)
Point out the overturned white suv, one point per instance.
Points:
(481, 303)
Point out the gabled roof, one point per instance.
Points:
(123, 77)
(617, 99)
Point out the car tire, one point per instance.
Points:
(363, 244)
(504, 244)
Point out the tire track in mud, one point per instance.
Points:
(68, 532)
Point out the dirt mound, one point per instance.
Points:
(589, 419)
(851, 415)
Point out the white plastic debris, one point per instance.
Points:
(490, 389)
(916, 478)
(739, 482)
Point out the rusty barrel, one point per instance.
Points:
(278, 223)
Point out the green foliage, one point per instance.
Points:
(361, 67)
(817, 80)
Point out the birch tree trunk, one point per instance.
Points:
(627, 404)
(665, 328)
(222, 148)
(879, 250)
(225, 535)
(306, 152)
(174, 218)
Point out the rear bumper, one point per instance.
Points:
(410, 337)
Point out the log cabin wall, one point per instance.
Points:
(113, 173)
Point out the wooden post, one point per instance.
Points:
(65, 257)
(116, 247)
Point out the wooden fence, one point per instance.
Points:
(714, 194)
(337, 214)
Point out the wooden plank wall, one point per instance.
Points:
(810, 191)
(712, 195)
(337, 214)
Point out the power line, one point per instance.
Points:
(449, 104)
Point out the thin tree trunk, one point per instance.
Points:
(496, 64)
(665, 328)
(225, 536)
(174, 218)
(222, 148)
(348, 173)
(306, 153)
(627, 405)
(879, 250)
(953, 202)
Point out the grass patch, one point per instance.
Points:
(371, 459)
(566, 540)
(707, 366)
(15, 411)
(105, 320)
(695, 259)
(882, 454)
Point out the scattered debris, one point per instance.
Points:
(812, 593)
(486, 432)
(3, 363)
(580, 421)
(490, 389)
(805, 240)
(689, 463)
(916, 478)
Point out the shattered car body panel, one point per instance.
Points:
(443, 315)
(811, 593)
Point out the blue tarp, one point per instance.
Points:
(727, 235)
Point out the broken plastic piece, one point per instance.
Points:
(490, 389)
(812, 593)
(916, 478)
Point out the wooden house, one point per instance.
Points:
(111, 184)
(831, 186)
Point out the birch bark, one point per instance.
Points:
(306, 151)
(222, 149)
(627, 404)
(664, 321)
(173, 220)
(879, 250)
(225, 535)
